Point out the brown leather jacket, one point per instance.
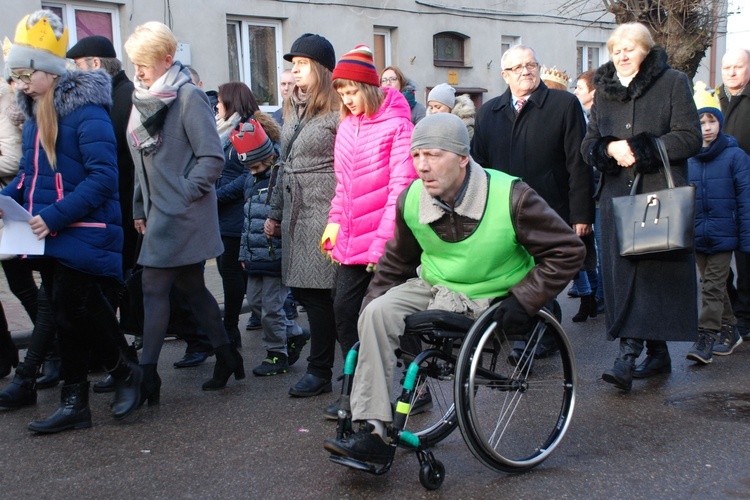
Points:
(558, 252)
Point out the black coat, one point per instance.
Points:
(122, 103)
(541, 145)
(737, 116)
(646, 299)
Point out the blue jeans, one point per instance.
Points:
(266, 296)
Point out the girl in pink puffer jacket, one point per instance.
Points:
(372, 161)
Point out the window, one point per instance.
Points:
(83, 20)
(588, 56)
(255, 57)
(448, 49)
(381, 48)
(506, 42)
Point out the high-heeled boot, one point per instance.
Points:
(151, 385)
(127, 378)
(586, 310)
(107, 384)
(22, 389)
(8, 354)
(228, 362)
(657, 360)
(73, 413)
(621, 374)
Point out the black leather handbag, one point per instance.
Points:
(657, 224)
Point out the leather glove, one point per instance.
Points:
(328, 241)
(371, 267)
(513, 318)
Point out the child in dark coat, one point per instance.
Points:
(721, 174)
(260, 255)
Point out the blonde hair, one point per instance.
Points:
(150, 43)
(46, 119)
(322, 97)
(373, 96)
(636, 32)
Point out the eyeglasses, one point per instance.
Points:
(518, 69)
(79, 64)
(390, 79)
(25, 77)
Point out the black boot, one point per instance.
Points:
(22, 389)
(657, 360)
(108, 384)
(74, 412)
(50, 372)
(228, 361)
(8, 354)
(151, 385)
(127, 379)
(586, 309)
(621, 374)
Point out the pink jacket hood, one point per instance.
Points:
(373, 164)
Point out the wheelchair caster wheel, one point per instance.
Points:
(431, 476)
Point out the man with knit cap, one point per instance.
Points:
(465, 236)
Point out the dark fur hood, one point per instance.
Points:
(652, 67)
(73, 90)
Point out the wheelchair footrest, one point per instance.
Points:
(359, 465)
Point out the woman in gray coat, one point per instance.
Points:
(178, 157)
(639, 98)
(301, 198)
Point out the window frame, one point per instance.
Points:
(244, 63)
(584, 48)
(445, 63)
(69, 19)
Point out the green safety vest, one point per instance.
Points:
(484, 265)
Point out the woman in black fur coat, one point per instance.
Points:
(639, 98)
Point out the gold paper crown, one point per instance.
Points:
(41, 36)
(703, 98)
(6, 47)
(555, 75)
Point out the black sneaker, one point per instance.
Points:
(275, 364)
(364, 446)
(729, 338)
(702, 351)
(295, 344)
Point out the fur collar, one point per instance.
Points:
(652, 67)
(472, 205)
(73, 90)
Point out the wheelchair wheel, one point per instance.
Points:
(513, 410)
(434, 381)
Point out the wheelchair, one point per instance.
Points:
(511, 401)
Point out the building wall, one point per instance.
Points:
(412, 24)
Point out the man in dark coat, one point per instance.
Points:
(541, 142)
(534, 132)
(734, 98)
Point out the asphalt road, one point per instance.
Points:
(684, 435)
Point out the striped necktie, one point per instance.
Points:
(519, 104)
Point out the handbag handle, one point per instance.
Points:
(666, 168)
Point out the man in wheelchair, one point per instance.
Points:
(463, 236)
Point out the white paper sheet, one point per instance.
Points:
(18, 238)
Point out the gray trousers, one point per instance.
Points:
(266, 296)
(380, 326)
(716, 309)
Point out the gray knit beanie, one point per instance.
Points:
(444, 94)
(443, 131)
